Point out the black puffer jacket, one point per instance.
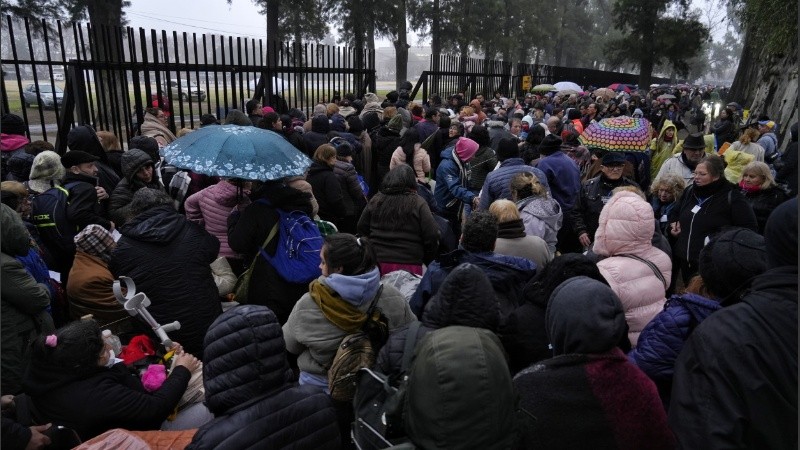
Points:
(466, 298)
(119, 208)
(246, 377)
(327, 191)
(320, 126)
(169, 259)
(384, 143)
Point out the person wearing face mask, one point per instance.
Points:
(707, 205)
(74, 380)
(595, 193)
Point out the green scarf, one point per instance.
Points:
(335, 309)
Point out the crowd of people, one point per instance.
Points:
(552, 295)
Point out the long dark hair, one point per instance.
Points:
(396, 196)
(75, 348)
(409, 141)
(354, 255)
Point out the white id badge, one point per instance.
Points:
(695, 209)
(664, 219)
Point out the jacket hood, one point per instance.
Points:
(317, 167)
(320, 124)
(626, 226)
(545, 209)
(495, 124)
(780, 235)
(698, 306)
(224, 193)
(244, 358)
(666, 126)
(11, 142)
(159, 225)
(133, 160)
(584, 316)
(84, 138)
(466, 298)
(357, 290)
(449, 362)
(14, 237)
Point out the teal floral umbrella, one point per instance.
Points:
(618, 134)
(234, 151)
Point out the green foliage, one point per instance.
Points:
(656, 32)
(771, 22)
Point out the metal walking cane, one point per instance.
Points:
(136, 305)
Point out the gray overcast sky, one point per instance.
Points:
(240, 18)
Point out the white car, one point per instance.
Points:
(58, 76)
(187, 89)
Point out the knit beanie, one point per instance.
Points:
(47, 166)
(12, 124)
(370, 97)
(550, 144)
(730, 261)
(396, 123)
(507, 148)
(466, 148)
(320, 110)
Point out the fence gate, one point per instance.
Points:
(107, 76)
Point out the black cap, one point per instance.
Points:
(613, 159)
(76, 157)
(695, 141)
(550, 144)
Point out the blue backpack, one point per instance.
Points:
(49, 215)
(297, 257)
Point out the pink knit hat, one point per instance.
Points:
(267, 110)
(466, 148)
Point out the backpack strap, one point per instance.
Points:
(373, 304)
(651, 266)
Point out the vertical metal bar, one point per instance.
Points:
(197, 78)
(146, 72)
(36, 79)
(219, 112)
(19, 75)
(178, 79)
(137, 85)
(189, 78)
(165, 84)
(50, 67)
(224, 75)
(157, 68)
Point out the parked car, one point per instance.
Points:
(187, 89)
(47, 95)
(58, 76)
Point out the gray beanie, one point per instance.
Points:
(370, 97)
(46, 167)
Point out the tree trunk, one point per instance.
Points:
(742, 89)
(273, 41)
(436, 46)
(559, 50)
(401, 46)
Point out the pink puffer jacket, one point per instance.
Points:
(626, 228)
(211, 208)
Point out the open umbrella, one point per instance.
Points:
(618, 134)
(543, 88)
(234, 151)
(567, 92)
(605, 92)
(561, 85)
(666, 97)
(620, 87)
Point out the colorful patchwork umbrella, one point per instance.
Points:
(618, 134)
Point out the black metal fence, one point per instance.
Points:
(107, 76)
(452, 74)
